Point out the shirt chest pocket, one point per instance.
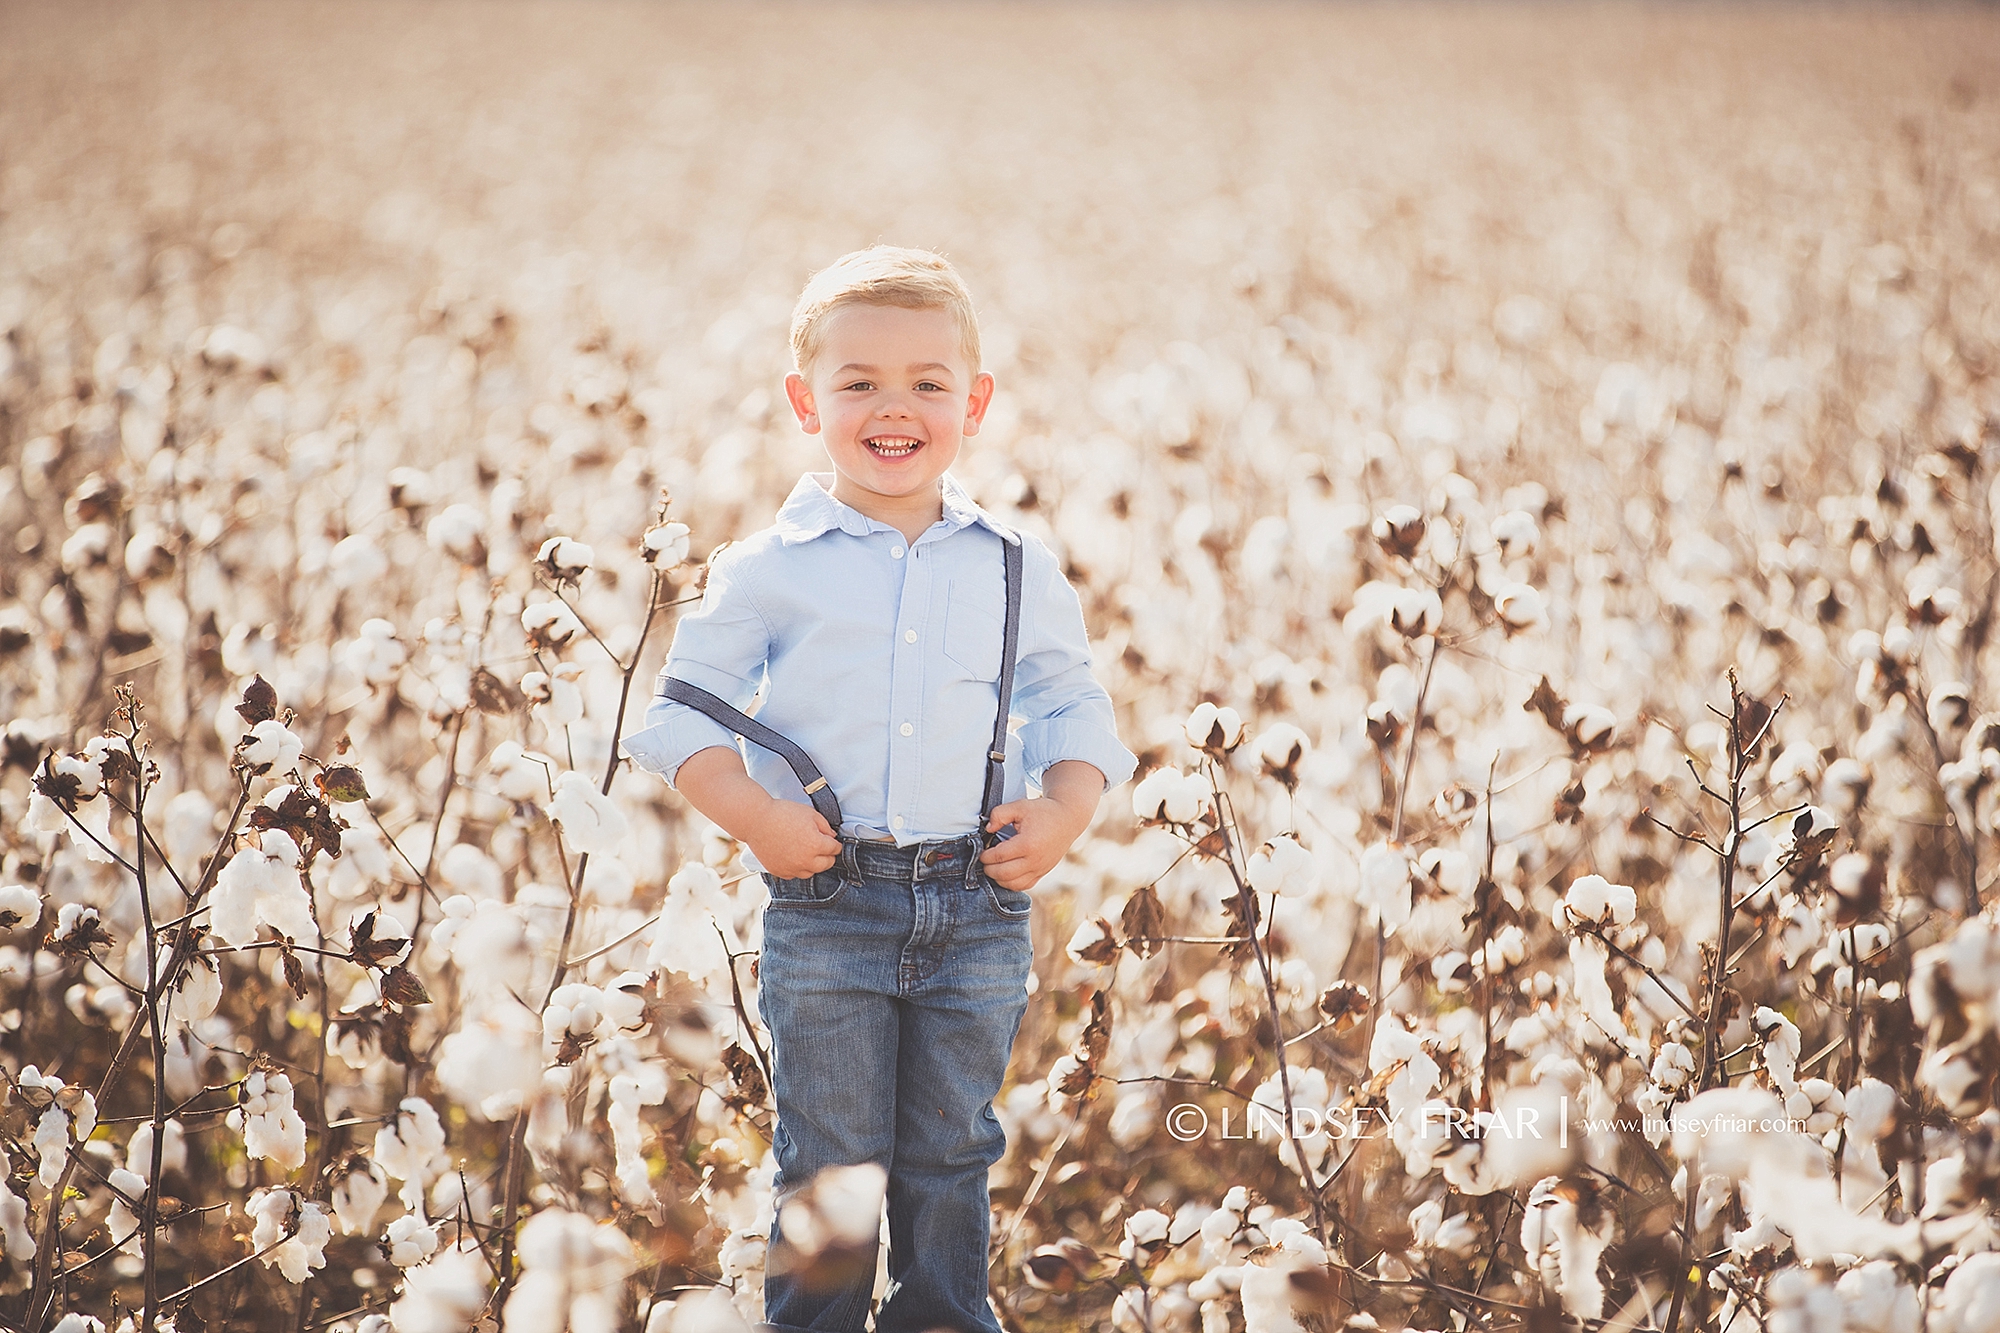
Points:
(972, 631)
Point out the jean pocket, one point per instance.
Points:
(1010, 903)
(808, 891)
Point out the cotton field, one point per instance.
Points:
(1531, 476)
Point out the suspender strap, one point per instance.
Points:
(809, 775)
(996, 755)
(751, 729)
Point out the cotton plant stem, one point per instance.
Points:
(516, 1169)
(1232, 844)
(1375, 996)
(150, 1213)
(42, 1287)
(1740, 752)
(321, 1142)
(1485, 891)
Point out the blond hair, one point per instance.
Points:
(883, 275)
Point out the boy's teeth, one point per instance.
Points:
(894, 449)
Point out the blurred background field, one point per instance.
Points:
(1711, 292)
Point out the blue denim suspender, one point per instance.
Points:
(817, 790)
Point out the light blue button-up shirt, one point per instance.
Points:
(881, 660)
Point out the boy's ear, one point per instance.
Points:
(801, 396)
(977, 402)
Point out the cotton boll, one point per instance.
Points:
(491, 947)
(1564, 1232)
(197, 991)
(1845, 784)
(550, 624)
(278, 1210)
(45, 816)
(1416, 612)
(1145, 1235)
(188, 826)
(1280, 748)
(1094, 943)
(460, 532)
(1673, 1066)
(1134, 1119)
(20, 907)
(270, 1124)
(358, 1194)
(1384, 889)
(665, 545)
(139, 1149)
(19, 1241)
(1594, 901)
(1516, 533)
(1450, 870)
(1871, 1107)
(642, 1085)
(1817, 1104)
(492, 1062)
(1216, 730)
(355, 562)
(565, 558)
(1588, 725)
(590, 822)
(410, 1241)
(270, 748)
(260, 886)
(1168, 796)
(78, 1323)
(609, 881)
(557, 698)
(374, 654)
(471, 871)
(1971, 1297)
(411, 1148)
(1269, 1292)
(1282, 867)
(445, 1295)
(1781, 1046)
(574, 1011)
(840, 1208)
(520, 775)
(1520, 606)
(1877, 1300)
(742, 1252)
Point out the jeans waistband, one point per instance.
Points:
(947, 858)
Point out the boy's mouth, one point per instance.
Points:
(892, 446)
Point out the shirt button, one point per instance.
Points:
(896, 552)
(907, 729)
(909, 636)
(897, 822)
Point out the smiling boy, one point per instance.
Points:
(897, 946)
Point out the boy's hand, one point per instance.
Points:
(1044, 826)
(793, 841)
(790, 840)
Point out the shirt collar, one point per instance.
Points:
(811, 511)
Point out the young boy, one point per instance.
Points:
(896, 951)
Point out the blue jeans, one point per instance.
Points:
(893, 986)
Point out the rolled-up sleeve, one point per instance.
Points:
(722, 648)
(1065, 713)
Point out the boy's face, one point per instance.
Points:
(891, 396)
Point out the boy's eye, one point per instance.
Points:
(931, 384)
(862, 385)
